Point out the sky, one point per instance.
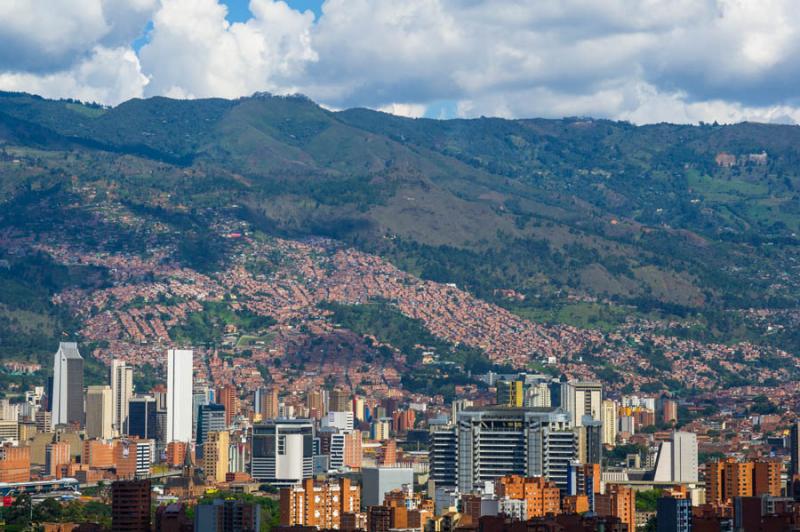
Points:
(644, 61)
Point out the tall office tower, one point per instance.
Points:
(590, 441)
(121, 379)
(44, 421)
(609, 419)
(794, 459)
(199, 398)
(317, 402)
(582, 398)
(345, 450)
(358, 408)
(267, 403)
(443, 456)
(339, 401)
(142, 418)
(684, 457)
(677, 459)
(67, 399)
(130, 505)
(282, 451)
(228, 397)
(510, 392)
(215, 455)
(179, 395)
(210, 418)
(674, 515)
(495, 442)
(538, 395)
(99, 410)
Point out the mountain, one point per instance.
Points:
(576, 221)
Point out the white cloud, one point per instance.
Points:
(108, 75)
(641, 60)
(193, 50)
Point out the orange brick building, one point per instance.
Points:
(541, 496)
(618, 501)
(230, 400)
(56, 455)
(728, 479)
(98, 453)
(319, 504)
(15, 464)
(176, 453)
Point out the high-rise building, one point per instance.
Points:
(767, 478)
(728, 479)
(121, 379)
(44, 421)
(582, 398)
(56, 455)
(443, 456)
(510, 392)
(133, 457)
(494, 442)
(542, 497)
(282, 451)
(339, 401)
(538, 395)
(142, 419)
(179, 395)
(200, 397)
(609, 419)
(673, 515)
(227, 516)
(358, 408)
(130, 505)
(266, 402)
(210, 418)
(590, 441)
(67, 397)
(99, 408)
(229, 398)
(794, 459)
(684, 457)
(339, 420)
(319, 504)
(215, 455)
(677, 459)
(345, 450)
(15, 463)
(669, 411)
(618, 501)
(378, 481)
(9, 430)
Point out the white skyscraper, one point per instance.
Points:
(684, 457)
(677, 459)
(179, 395)
(582, 398)
(67, 400)
(121, 380)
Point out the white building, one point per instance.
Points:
(677, 459)
(121, 379)
(179, 395)
(67, 400)
(609, 418)
(342, 421)
(582, 398)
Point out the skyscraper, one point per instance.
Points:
(582, 398)
(282, 451)
(130, 505)
(210, 418)
(266, 402)
(67, 400)
(99, 412)
(339, 401)
(121, 379)
(499, 441)
(230, 400)
(179, 395)
(609, 418)
(215, 455)
(684, 457)
(142, 419)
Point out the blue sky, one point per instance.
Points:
(668, 60)
(238, 10)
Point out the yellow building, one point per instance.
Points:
(215, 456)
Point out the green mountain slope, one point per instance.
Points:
(600, 212)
